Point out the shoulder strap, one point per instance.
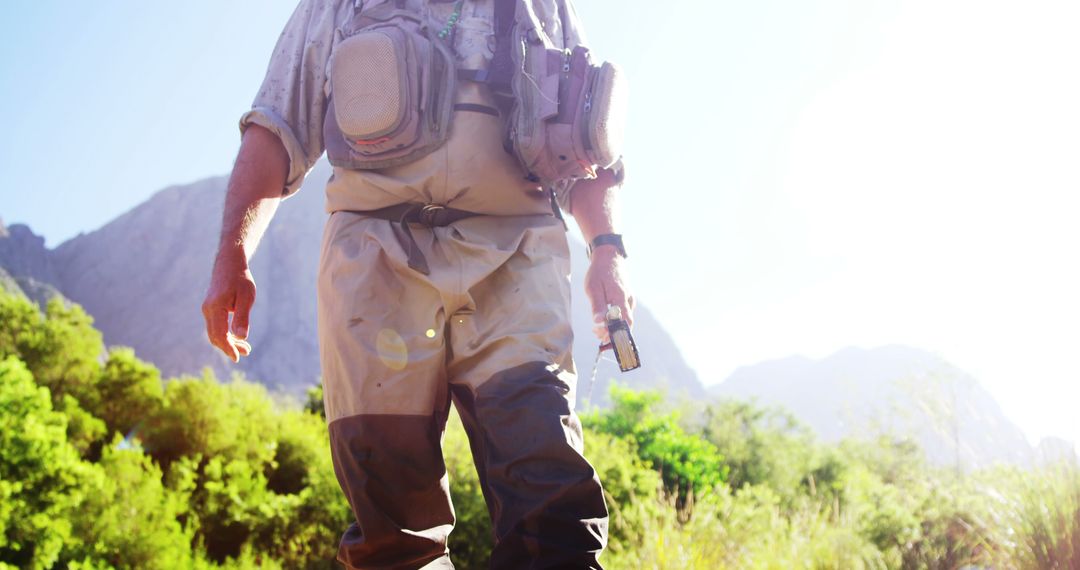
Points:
(501, 70)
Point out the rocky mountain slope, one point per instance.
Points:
(888, 390)
(25, 264)
(143, 276)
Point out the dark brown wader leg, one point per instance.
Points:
(391, 469)
(545, 499)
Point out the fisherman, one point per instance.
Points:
(443, 277)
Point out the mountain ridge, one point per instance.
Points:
(892, 389)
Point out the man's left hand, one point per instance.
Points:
(605, 284)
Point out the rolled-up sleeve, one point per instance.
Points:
(574, 35)
(292, 100)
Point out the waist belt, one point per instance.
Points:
(430, 215)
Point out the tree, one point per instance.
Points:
(761, 446)
(41, 475)
(61, 348)
(687, 464)
(130, 520)
(127, 392)
(200, 416)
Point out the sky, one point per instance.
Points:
(804, 175)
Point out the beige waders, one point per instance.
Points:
(488, 328)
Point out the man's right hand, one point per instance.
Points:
(231, 293)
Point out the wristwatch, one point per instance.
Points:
(608, 239)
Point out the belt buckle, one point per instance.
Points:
(428, 213)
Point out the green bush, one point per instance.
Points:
(1043, 512)
(632, 490)
(761, 446)
(472, 539)
(61, 348)
(129, 518)
(257, 478)
(218, 475)
(127, 391)
(201, 416)
(687, 463)
(42, 479)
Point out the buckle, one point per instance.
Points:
(428, 213)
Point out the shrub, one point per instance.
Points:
(130, 519)
(687, 463)
(41, 476)
(60, 348)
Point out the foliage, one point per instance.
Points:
(201, 416)
(41, 475)
(472, 538)
(686, 463)
(760, 446)
(1044, 511)
(257, 478)
(314, 402)
(632, 489)
(127, 391)
(84, 431)
(102, 465)
(211, 475)
(130, 520)
(60, 348)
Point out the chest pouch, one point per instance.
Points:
(392, 84)
(569, 113)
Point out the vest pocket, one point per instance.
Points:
(374, 91)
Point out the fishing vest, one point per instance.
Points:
(393, 81)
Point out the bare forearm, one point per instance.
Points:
(594, 205)
(255, 189)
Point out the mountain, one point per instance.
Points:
(25, 264)
(888, 390)
(143, 276)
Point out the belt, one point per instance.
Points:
(430, 215)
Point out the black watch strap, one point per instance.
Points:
(608, 239)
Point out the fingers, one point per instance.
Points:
(245, 298)
(217, 329)
(594, 290)
(614, 293)
(617, 297)
(230, 340)
(600, 328)
(242, 346)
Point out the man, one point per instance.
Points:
(484, 324)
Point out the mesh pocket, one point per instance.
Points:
(606, 123)
(368, 79)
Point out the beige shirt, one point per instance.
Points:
(470, 172)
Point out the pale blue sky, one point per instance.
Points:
(804, 174)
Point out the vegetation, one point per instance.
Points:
(103, 465)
